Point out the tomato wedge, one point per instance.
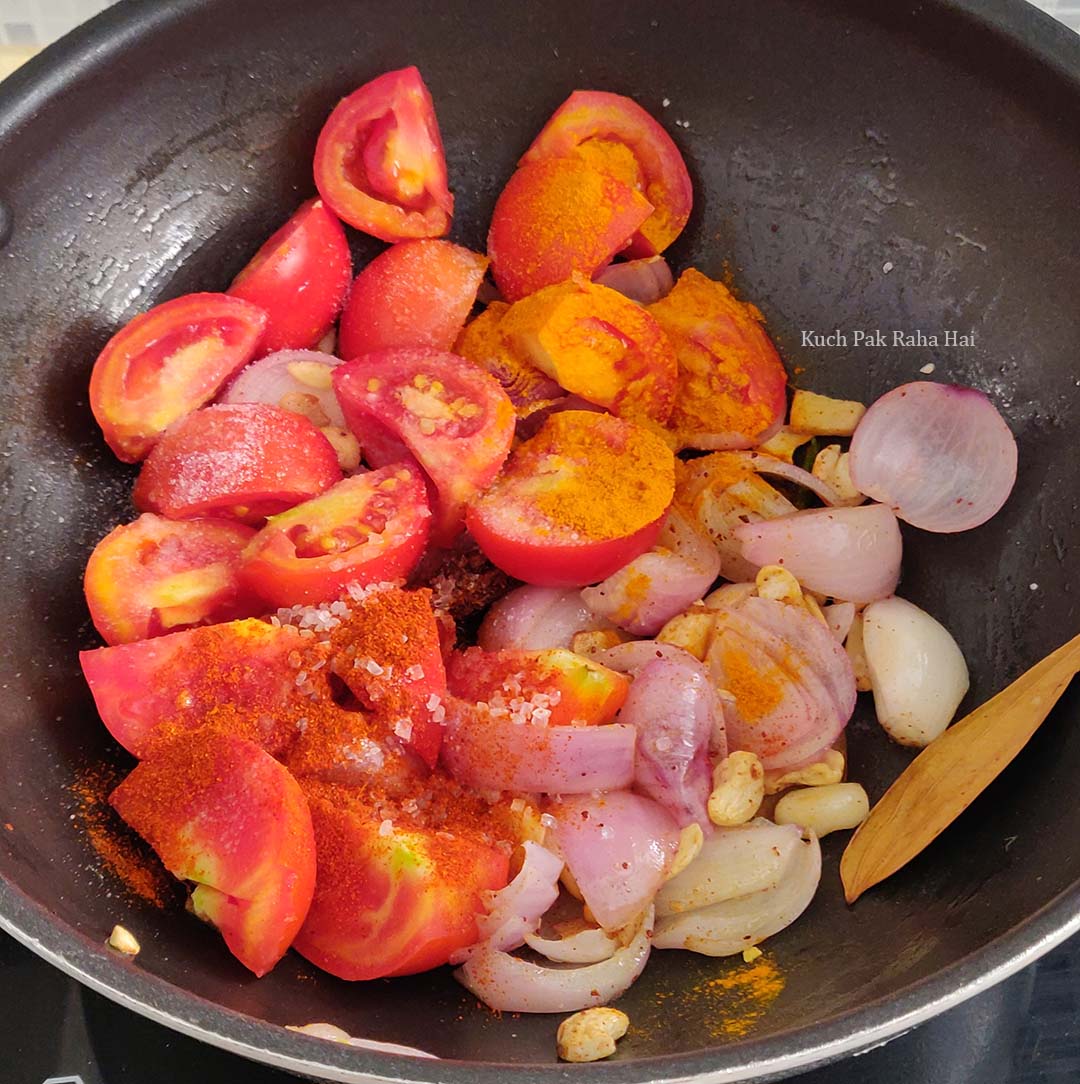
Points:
(245, 461)
(379, 162)
(393, 895)
(576, 502)
(417, 293)
(366, 529)
(616, 136)
(156, 575)
(168, 362)
(299, 278)
(453, 417)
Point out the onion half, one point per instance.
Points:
(852, 554)
(940, 455)
(281, 378)
(509, 984)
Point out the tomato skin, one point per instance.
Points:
(591, 116)
(416, 293)
(454, 418)
(167, 362)
(556, 217)
(155, 575)
(299, 278)
(221, 812)
(393, 903)
(379, 161)
(525, 522)
(244, 461)
(378, 524)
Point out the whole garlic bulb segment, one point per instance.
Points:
(917, 670)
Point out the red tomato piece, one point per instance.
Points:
(453, 417)
(553, 687)
(221, 812)
(379, 162)
(156, 575)
(558, 216)
(149, 691)
(583, 497)
(615, 135)
(245, 461)
(393, 895)
(168, 362)
(299, 278)
(417, 293)
(366, 529)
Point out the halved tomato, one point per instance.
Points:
(149, 691)
(566, 689)
(366, 529)
(576, 502)
(732, 384)
(168, 362)
(222, 813)
(558, 216)
(299, 278)
(455, 419)
(379, 162)
(244, 461)
(396, 894)
(416, 293)
(614, 135)
(156, 575)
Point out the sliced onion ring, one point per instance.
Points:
(276, 377)
(940, 455)
(852, 554)
(508, 984)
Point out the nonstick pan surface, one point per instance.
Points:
(865, 166)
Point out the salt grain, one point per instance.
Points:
(928, 368)
(886, 267)
(386, 828)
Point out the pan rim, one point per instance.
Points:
(850, 1033)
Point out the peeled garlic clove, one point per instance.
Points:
(917, 670)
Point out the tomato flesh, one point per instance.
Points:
(168, 362)
(299, 278)
(155, 576)
(365, 529)
(244, 461)
(455, 419)
(379, 161)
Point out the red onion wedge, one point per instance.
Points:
(852, 554)
(792, 682)
(497, 754)
(676, 711)
(618, 847)
(515, 911)
(728, 927)
(508, 984)
(536, 619)
(297, 377)
(591, 946)
(644, 281)
(940, 455)
(648, 592)
(839, 617)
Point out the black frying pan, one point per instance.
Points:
(149, 154)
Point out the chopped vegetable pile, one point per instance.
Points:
(516, 633)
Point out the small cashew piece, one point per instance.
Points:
(738, 789)
(591, 1034)
(691, 840)
(830, 769)
(831, 808)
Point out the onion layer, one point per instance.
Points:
(792, 682)
(917, 670)
(941, 456)
(584, 947)
(618, 847)
(283, 380)
(508, 984)
(675, 710)
(839, 617)
(497, 754)
(645, 281)
(630, 657)
(852, 554)
(769, 464)
(728, 927)
(536, 619)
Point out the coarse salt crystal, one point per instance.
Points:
(403, 729)
(547, 820)
(386, 828)
(301, 677)
(415, 672)
(886, 267)
(373, 668)
(928, 368)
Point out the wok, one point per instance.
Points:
(150, 153)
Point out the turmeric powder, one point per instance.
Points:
(731, 381)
